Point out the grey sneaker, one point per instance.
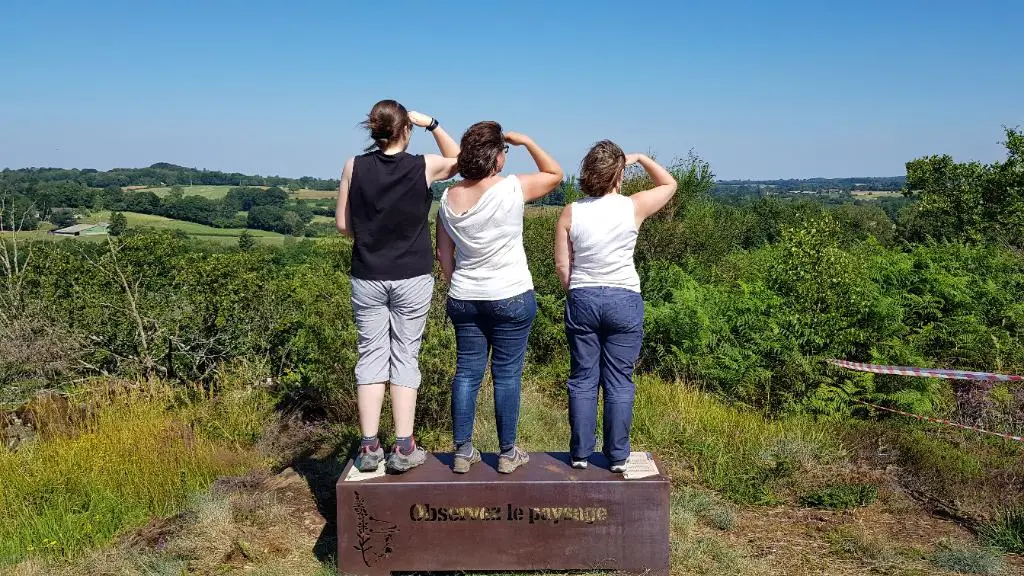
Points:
(398, 462)
(462, 463)
(508, 464)
(618, 467)
(368, 460)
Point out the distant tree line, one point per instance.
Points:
(160, 174)
(243, 207)
(766, 187)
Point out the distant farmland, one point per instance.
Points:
(211, 192)
(218, 192)
(873, 194)
(307, 194)
(200, 231)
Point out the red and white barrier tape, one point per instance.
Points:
(934, 373)
(930, 372)
(940, 421)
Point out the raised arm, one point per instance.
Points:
(549, 175)
(438, 167)
(646, 203)
(563, 247)
(342, 216)
(445, 251)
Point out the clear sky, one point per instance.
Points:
(759, 89)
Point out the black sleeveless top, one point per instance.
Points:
(389, 205)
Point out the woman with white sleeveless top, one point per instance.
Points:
(490, 295)
(604, 312)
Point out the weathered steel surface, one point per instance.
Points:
(546, 516)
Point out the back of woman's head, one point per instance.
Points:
(602, 168)
(388, 123)
(481, 145)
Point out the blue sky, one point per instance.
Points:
(759, 89)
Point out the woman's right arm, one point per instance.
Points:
(445, 251)
(342, 216)
(646, 203)
(438, 167)
(563, 247)
(538, 184)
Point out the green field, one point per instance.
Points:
(307, 194)
(201, 231)
(212, 192)
(222, 235)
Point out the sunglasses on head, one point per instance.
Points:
(505, 149)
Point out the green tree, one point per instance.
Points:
(970, 201)
(118, 224)
(17, 213)
(570, 190)
(246, 241)
(62, 217)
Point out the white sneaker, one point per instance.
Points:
(579, 464)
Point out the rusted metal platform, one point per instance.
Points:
(545, 516)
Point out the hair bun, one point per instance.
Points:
(386, 122)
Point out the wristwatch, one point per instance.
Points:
(433, 124)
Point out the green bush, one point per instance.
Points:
(967, 560)
(1006, 532)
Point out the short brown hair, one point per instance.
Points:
(386, 123)
(601, 168)
(480, 146)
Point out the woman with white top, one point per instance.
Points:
(490, 295)
(604, 312)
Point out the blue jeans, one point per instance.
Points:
(605, 327)
(498, 328)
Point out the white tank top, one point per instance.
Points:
(603, 235)
(490, 262)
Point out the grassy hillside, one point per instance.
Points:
(280, 520)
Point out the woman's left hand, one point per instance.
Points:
(516, 139)
(420, 119)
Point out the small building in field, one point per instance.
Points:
(82, 230)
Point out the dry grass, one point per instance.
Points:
(123, 461)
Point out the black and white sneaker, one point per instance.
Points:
(579, 464)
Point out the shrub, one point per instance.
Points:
(1006, 532)
(967, 560)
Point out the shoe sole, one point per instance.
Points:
(462, 465)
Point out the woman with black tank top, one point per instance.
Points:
(384, 205)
